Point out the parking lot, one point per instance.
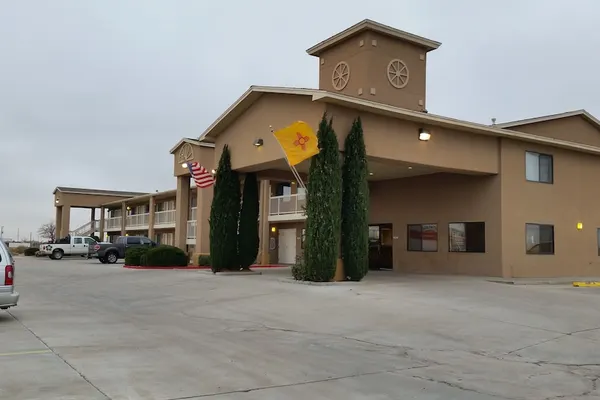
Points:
(84, 330)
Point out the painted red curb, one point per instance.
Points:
(144, 267)
(197, 267)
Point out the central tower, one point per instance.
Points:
(375, 62)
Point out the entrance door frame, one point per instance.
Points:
(381, 256)
(292, 244)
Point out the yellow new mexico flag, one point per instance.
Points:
(298, 142)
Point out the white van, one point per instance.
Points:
(8, 296)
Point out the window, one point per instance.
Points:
(145, 241)
(89, 241)
(77, 240)
(133, 240)
(374, 234)
(538, 167)
(539, 239)
(283, 189)
(121, 240)
(422, 237)
(466, 237)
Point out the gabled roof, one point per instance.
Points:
(249, 97)
(255, 92)
(369, 25)
(191, 141)
(582, 113)
(72, 190)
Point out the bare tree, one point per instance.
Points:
(48, 231)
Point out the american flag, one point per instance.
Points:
(201, 176)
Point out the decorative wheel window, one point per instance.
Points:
(397, 73)
(341, 75)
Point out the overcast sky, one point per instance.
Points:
(94, 93)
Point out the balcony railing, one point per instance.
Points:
(287, 207)
(137, 220)
(87, 229)
(112, 224)
(164, 217)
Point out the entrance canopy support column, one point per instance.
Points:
(263, 224)
(65, 221)
(123, 219)
(182, 205)
(204, 199)
(101, 229)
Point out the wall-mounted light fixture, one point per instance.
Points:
(129, 208)
(370, 173)
(213, 171)
(424, 135)
(258, 142)
(184, 165)
(273, 229)
(56, 201)
(579, 226)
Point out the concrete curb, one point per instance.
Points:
(231, 273)
(292, 280)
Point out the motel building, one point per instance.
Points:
(516, 199)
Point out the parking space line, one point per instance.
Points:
(24, 353)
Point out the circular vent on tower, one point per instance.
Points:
(397, 73)
(341, 75)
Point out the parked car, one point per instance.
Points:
(8, 296)
(68, 246)
(110, 253)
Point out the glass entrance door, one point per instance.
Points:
(381, 246)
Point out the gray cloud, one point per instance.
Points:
(113, 84)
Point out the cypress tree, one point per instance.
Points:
(248, 232)
(224, 214)
(355, 205)
(323, 207)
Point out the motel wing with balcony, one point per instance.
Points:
(514, 200)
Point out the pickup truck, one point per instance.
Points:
(68, 246)
(110, 253)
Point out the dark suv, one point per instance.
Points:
(109, 253)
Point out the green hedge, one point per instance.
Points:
(204, 260)
(166, 256)
(30, 251)
(133, 255)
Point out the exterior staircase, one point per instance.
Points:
(87, 229)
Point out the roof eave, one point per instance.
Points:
(367, 24)
(194, 142)
(451, 123)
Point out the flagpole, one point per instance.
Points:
(292, 167)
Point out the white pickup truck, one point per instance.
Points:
(68, 246)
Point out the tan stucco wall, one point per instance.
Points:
(574, 129)
(397, 140)
(368, 69)
(440, 199)
(276, 110)
(572, 198)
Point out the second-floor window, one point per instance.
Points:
(539, 167)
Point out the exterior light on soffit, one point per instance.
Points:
(424, 135)
(258, 142)
(184, 165)
(56, 201)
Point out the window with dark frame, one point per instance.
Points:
(422, 237)
(539, 239)
(539, 167)
(466, 237)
